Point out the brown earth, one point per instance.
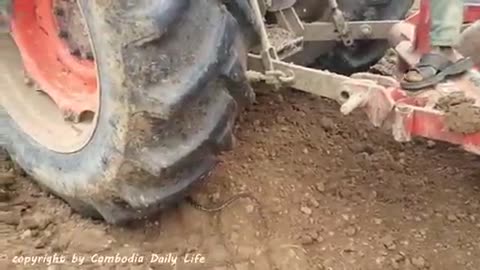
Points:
(333, 193)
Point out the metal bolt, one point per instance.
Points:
(366, 30)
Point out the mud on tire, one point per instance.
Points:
(171, 75)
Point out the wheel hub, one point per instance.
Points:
(49, 89)
(55, 49)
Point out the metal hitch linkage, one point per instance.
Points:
(268, 54)
(340, 23)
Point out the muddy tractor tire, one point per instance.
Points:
(337, 57)
(171, 77)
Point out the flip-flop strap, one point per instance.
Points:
(431, 64)
(434, 60)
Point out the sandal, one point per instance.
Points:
(434, 68)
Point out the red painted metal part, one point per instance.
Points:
(472, 13)
(409, 115)
(422, 35)
(71, 82)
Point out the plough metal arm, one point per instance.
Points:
(381, 97)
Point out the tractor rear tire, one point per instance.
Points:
(172, 80)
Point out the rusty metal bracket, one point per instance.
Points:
(325, 31)
(317, 82)
(268, 51)
(340, 23)
(278, 5)
(268, 54)
(288, 19)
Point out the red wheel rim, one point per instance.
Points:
(70, 81)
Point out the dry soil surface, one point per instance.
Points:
(332, 193)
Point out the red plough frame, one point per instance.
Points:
(409, 114)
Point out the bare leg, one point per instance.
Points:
(447, 19)
(4, 18)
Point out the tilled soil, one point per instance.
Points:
(331, 192)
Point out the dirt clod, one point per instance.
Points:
(36, 221)
(40, 243)
(7, 179)
(310, 237)
(461, 115)
(10, 218)
(4, 195)
(320, 187)
(306, 210)
(90, 241)
(452, 218)
(377, 221)
(26, 234)
(327, 123)
(350, 231)
(313, 202)
(397, 261)
(419, 262)
(389, 242)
